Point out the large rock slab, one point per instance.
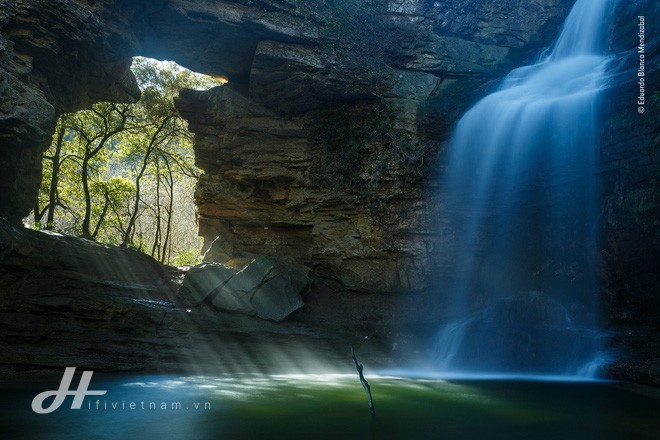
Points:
(69, 301)
(279, 295)
(28, 251)
(268, 287)
(237, 294)
(202, 280)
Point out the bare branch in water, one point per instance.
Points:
(364, 382)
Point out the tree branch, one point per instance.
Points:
(364, 382)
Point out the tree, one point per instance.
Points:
(113, 192)
(94, 128)
(54, 160)
(113, 172)
(164, 131)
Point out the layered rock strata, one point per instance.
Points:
(68, 301)
(291, 65)
(291, 69)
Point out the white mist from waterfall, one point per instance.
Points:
(521, 196)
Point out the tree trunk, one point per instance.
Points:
(145, 161)
(55, 178)
(106, 204)
(37, 217)
(157, 234)
(170, 209)
(130, 228)
(86, 233)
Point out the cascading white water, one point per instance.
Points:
(521, 195)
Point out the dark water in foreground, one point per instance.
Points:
(334, 407)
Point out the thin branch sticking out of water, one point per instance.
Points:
(364, 382)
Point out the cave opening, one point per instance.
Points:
(124, 173)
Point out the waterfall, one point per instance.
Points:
(522, 202)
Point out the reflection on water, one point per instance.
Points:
(333, 406)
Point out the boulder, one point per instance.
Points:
(236, 295)
(202, 280)
(269, 287)
(280, 296)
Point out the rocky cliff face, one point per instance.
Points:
(54, 58)
(630, 166)
(368, 222)
(289, 167)
(292, 66)
(295, 69)
(68, 301)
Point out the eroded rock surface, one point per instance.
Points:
(630, 234)
(260, 148)
(67, 301)
(268, 287)
(291, 71)
(291, 66)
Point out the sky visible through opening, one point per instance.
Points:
(207, 81)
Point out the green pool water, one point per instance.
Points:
(334, 407)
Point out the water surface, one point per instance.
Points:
(334, 407)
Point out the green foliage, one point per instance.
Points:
(188, 257)
(124, 174)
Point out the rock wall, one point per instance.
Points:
(630, 166)
(291, 66)
(53, 59)
(301, 70)
(68, 301)
(259, 150)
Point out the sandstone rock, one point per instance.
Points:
(276, 299)
(67, 301)
(268, 287)
(236, 294)
(280, 296)
(28, 250)
(202, 280)
(253, 142)
(381, 274)
(286, 63)
(220, 251)
(629, 158)
(51, 61)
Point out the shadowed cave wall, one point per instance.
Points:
(294, 67)
(299, 71)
